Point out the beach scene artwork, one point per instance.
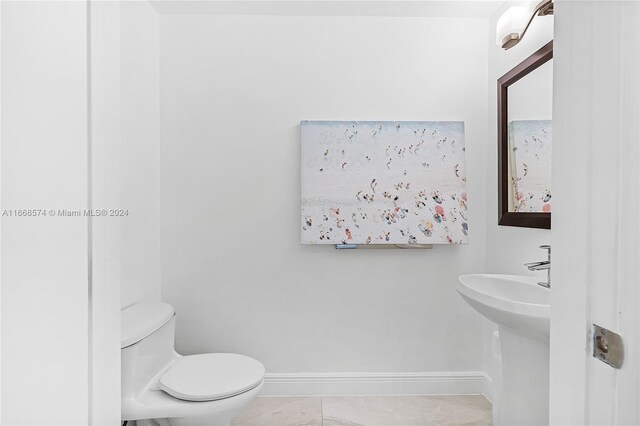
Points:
(530, 145)
(383, 182)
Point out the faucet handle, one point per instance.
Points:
(547, 247)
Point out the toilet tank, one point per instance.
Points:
(147, 344)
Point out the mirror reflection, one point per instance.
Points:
(530, 141)
(525, 97)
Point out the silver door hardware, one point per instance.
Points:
(607, 346)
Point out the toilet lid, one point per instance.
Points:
(208, 377)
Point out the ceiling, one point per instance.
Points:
(403, 8)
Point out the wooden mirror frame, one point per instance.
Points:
(505, 217)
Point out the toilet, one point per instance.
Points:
(163, 388)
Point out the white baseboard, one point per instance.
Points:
(439, 383)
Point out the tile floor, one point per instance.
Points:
(419, 410)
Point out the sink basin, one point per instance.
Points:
(513, 301)
(520, 308)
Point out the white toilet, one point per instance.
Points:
(162, 387)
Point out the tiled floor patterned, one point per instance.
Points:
(419, 410)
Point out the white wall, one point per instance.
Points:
(106, 232)
(124, 175)
(140, 162)
(44, 263)
(233, 90)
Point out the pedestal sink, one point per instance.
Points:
(520, 308)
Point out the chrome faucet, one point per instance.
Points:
(539, 266)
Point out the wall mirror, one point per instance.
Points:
(525, 96)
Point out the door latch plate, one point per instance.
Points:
(607, 346)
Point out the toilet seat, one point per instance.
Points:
(209, 377)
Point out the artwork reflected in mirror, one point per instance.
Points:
(530, 161)
(525, 133)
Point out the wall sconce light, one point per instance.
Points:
(514, 23)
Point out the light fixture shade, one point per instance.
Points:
(511, 23)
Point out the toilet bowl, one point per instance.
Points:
(163, 388)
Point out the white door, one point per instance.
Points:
(596, 218)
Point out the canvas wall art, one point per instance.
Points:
(383, 182)
(530, 146)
